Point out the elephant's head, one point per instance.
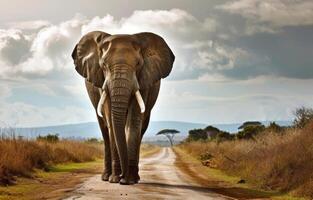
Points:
(122, 65)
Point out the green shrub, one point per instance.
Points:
(249, 132)
(52, 138)
(93, 140)
(197, 134)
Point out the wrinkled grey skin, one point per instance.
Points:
(121, 65)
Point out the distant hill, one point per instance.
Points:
(91, 129)
(182, 127)
(78, 131)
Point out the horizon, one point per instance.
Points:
(153, 121)
(237, 66)
(87, 130)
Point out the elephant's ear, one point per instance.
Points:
(158, 59)
(86, 55)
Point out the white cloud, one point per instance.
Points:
(214, 77)
(198, 44)
(10, 33)
(106, 24)
(76, 90)
(268, 15)
(52, 44)
(28, 25)
(218, 57)
(22, 114)
(4, 91)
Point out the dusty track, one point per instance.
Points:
(160, 179)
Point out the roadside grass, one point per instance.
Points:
(18, 192)
(57, 180)
(70, 167)
(272, 161)
(54, 183)
(207, 172)
(223, 183)
(22, 157)
(147, 150)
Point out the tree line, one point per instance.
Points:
(248, 130)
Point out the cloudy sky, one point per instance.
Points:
(235, 60)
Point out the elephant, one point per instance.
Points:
(122, 76)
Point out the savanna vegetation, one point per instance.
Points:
(270, 157)
(21, 157)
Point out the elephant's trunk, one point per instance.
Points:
(120, 92)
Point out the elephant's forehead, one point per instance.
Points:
(121, 37)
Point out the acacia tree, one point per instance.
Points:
(169, 133)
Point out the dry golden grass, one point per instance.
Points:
(282, 162)
(147, 150)
(21, 157)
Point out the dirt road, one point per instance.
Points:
(160, 179)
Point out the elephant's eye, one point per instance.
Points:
(138, 63)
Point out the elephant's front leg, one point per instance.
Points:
(133, 131)
(107, 152)
(116, 167)
(114, 158)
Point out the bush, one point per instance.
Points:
(49, 138)
(224, 136)
(93, 140)
(209, 133)
(273, 127)
(197, 134)
(303, 117)
(250, 123)
(249, 132)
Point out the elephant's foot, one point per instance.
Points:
(105, 176)
(114, 178)
(133, 174)
(125, 181)
(107, 171)
(133, 180)
(116, 172)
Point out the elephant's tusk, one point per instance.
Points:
(101, 102)
(102, 98)
(140, 101)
